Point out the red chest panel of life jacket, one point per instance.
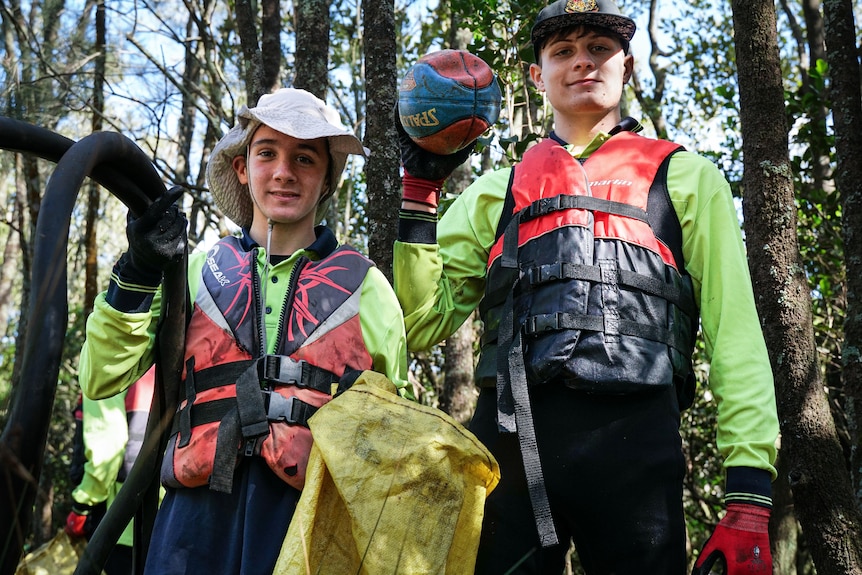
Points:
(240, 401)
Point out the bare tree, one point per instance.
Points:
(817, 472)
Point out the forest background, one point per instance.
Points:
(770, 92)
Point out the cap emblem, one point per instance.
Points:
(582, 6)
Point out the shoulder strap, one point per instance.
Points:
(662, 217)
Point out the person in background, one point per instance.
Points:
(281, 312)
(109, 436)
(591, 262)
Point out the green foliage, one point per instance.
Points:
(819, 212)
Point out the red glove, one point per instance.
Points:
(76, 524)
(740, 541)
(83, 519)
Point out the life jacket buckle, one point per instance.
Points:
(543, 206)
(542, 322)
(281, 369)
(282, 408)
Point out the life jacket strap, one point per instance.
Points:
(182, 422)
(273, 369)
(283, 370)
(290, 410)
(515, 415)
(537, 324)
(535, 276)
(544, 206)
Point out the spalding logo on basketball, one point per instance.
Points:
(447, 100)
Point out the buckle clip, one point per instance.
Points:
(281, 369)
(543, 322)
(281, 408)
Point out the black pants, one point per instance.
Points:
(613, 468)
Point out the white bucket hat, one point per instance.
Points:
(293, 112)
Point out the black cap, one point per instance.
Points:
(564, 13)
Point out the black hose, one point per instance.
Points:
(19, 136)
(22, 442)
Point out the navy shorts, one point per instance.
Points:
(202, 531)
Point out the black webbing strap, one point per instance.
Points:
(536, 324)
(208, 412)
(538, 275)
(245, 423)
(544, 206)
(290, 410)
(250, 404)
(514, 414)
(183, 423)
(219, 375)
(226, 452)
(505, 403)
(509, 257)
(529, 447)
(274, 369)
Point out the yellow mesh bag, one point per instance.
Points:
(59, 556)
(392, 487)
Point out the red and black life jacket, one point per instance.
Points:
(593, 271)
(139, 399)
(586, 286)
(240, 401)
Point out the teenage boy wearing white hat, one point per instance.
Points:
(281, 312)
(590, 300)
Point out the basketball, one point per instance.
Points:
(447, 99)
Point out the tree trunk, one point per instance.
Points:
(255, 79)
(312, 46)
(847, 114)
(384, 183)
(820, 162)
(458, 393)
(270, 44)
(817, 472)
(94, 193)
(783, 525)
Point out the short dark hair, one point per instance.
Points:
(539, 43)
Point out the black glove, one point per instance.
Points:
(157, 237)
(424, 171)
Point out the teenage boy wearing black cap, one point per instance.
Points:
(591, 262)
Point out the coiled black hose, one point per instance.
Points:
(22, 443)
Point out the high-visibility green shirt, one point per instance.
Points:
(440, 284)
(120, 346)
(105, 435)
